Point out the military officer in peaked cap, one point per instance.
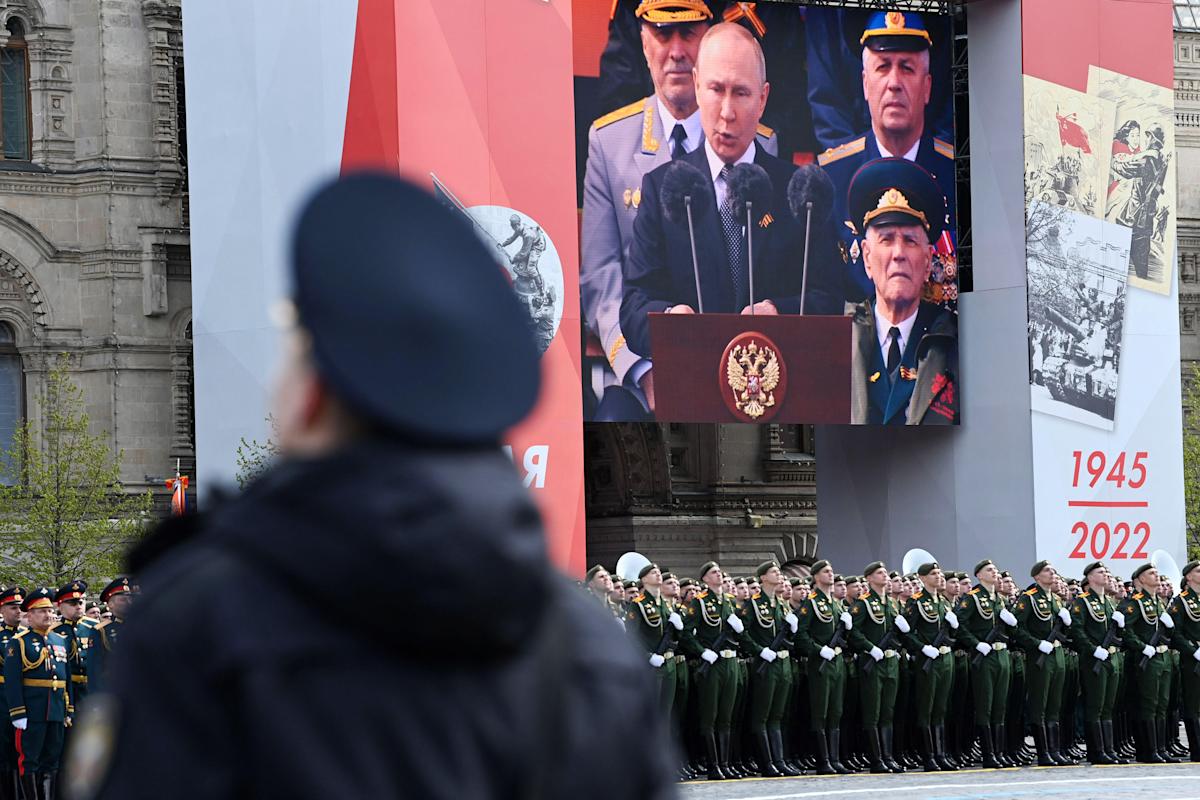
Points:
(1043, 623)
(897, 85)
(118, 596)
(905, 351)
(1185, 611)
(821, 637)
(38, 688)
(931, 624)
(984, 629)
(1095, 629)
(11, 599)
(78, 629)
(875, 637)
(1149, 627)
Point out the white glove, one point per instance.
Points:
(791, 620)
(20, 724)
(767, 655)
(930, 651)
(1119, 618)
(657, 661)
(1166, 620)
(1007, 618)
(1101, 654)
(902, 624)
(735, 623)
(952, 619)
(876, 653)
(676, 620)
(1148, 651)
(709, 656)
(984, 648)
(1045, 647)
(1065, 616)
(846, 620)
(1196, 655)
(827, 653)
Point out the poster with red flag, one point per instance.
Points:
(1065, 165)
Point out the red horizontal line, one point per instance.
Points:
(1108, 503)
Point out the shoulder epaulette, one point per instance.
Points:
(1184, 593)
(624, 112)
(703, 593)
(812, 595)
(974, 591)
(639, 598)
(918, 595)
(20, 633)
(729, 596)
(943, 148)
(1030, 592)
(1137, 596)
(842, 150)
(764, 131)
(756, 595)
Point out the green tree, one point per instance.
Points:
(64, 513)
(255, 457)
(1191, 458)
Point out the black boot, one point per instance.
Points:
(715, 773)
(931, 764)
(988, 760)
(50, 785)
(835, 746)
(10, 788)
(1164, 737)
(939, 749)
(1192, 727)
(765, 767)
(1148, 746)
(1043, 748)
(822, 747)
(1096, 753)
(1108, 744)
(886, 742)
(1000, 744)
(875, 748)
(1054, 743)
(775, 742)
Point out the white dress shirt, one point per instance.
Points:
(883, 328)
(911, 155)
(691, 126)
(715, 164)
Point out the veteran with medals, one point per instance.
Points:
(904, 368)
(823, 622)
(875, 637)
(984, 627)
(930, 621)
(1148, 628)
(1185, 610)
(767, 629)
(1095, 628)
(713, 634)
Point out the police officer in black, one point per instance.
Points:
(256, 663)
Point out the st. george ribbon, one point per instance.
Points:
(685, 187)
(749, 187)
(810, 191)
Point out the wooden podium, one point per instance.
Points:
(786, 368)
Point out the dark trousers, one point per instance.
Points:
(39, 747)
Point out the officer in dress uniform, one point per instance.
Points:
(78, 629)
(1185, 610)
(118, 596)
(875, 638)
(38, 687)
(821, 637)
(930, 621)
(984, 627)
(10, 617)
(1043, 623)
(714, 630)
(768, 626)
(1148, 629)
(1095, 629)
(897, 84)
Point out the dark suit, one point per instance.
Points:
(928, 397)
(658, 273)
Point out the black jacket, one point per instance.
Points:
(375, 625)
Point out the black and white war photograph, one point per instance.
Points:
(1078, 275)
(1141, 184)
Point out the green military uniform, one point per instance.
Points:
(925, 613)
(984, 636)
(816, 639)
(708, 630)
(1185, 609)
(875, 637)
(38, 688)
(1039, 620)
(647, 620)
(1146, 638)
(1091, 623)
(766, 633)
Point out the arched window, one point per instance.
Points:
(15, 123)
(12, 391)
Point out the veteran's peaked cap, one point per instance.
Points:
(413, 322)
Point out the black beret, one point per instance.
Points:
(72, 591)
(874, 565)
(1138, 572)
(893, 574)
(925, 569)
(795, 582)
(839, 578)
(1092, 567)
(852, 579)
(686, 582)
(669, 576)
(896, 191)
(1005, 574)
(591, 573)
(820, 565)
(642, 572)
(708, 565)
(414, 323)
(764, 568)
(739, 581)
(1189, 566)
(982, 565)
(1038, 567)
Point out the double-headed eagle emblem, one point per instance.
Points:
(753, 373)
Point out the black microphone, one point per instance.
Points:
(685, 188)
(809, 193)
(749, 188)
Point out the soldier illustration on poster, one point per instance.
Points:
(1141, 185)
(1066, 136)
